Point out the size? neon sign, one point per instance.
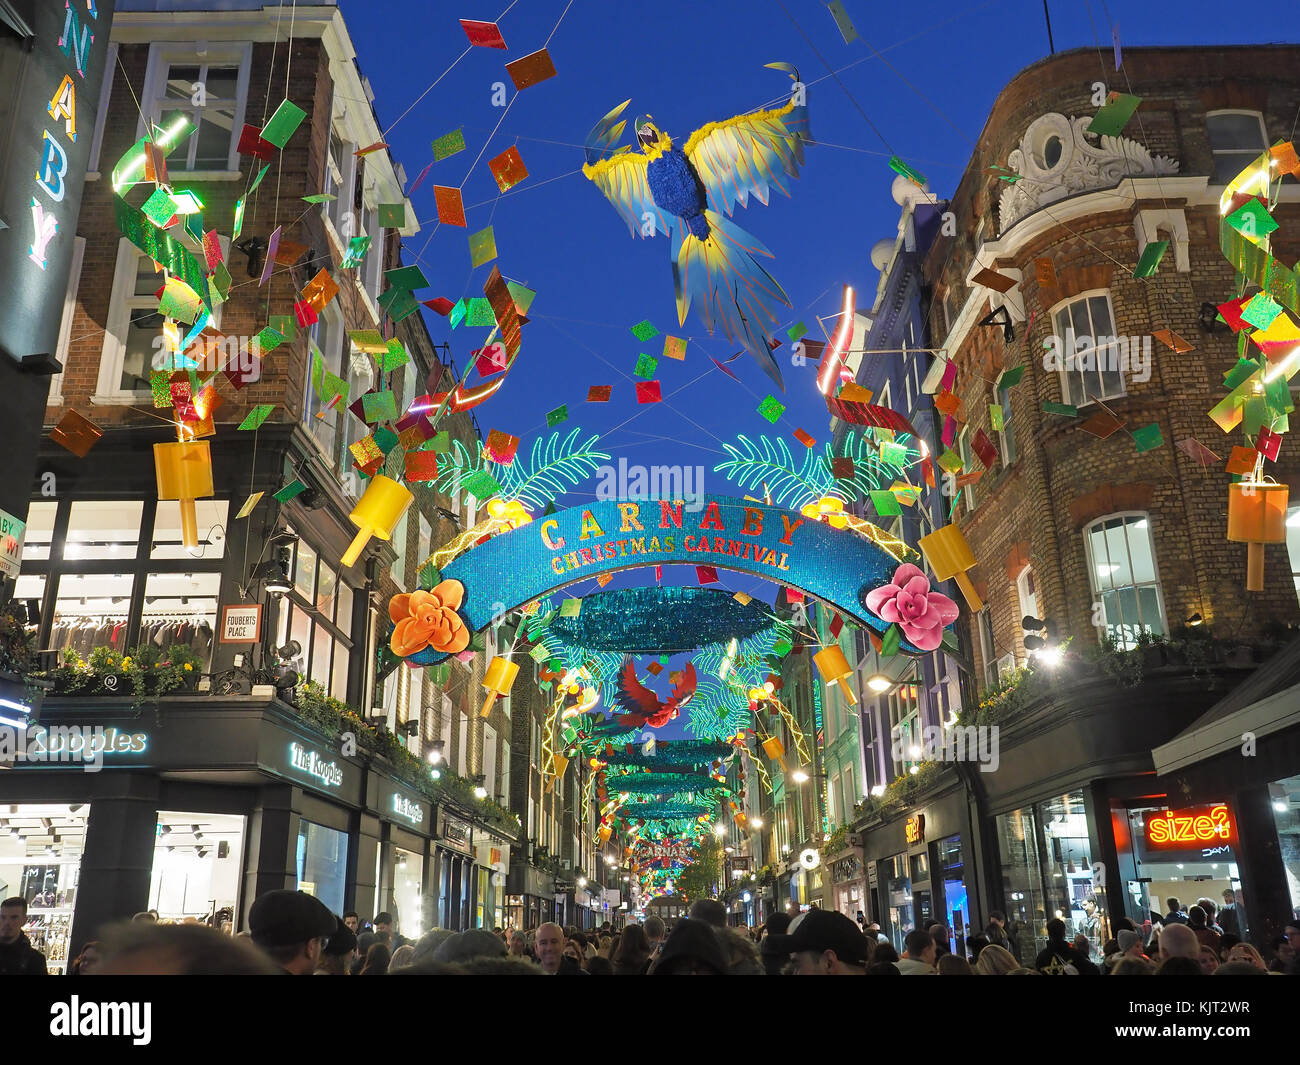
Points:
(1190, 829)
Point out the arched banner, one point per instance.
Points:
(549, 553)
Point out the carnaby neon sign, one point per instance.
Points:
(745, 536)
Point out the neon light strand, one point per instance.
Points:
(832, 364)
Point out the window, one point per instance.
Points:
(399, 545)
(905, 727)
(1007, 436)
(1027, 594)
(1122, 569)
(1237, 138)
(341, 181)
(1292, 543)
(987, 652)
(210, 91)
(1089, 351)
(133, 344)
(69, 313)
(317, 613)
(327, 336)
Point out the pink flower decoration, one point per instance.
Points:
(909, 603)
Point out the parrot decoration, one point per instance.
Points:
(690, 192)
(642, 706)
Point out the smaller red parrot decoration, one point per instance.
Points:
(643, 707)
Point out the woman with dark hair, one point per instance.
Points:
(885, 952)
(377, 959)
(88, 961)
(974, 944)
(632, 955)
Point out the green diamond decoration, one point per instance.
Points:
(257, 416)
(645, 366)
(644, 330)
(385, 439)
(482, 246)
(771, 409)
(1251, 220)
(458, 312)
(268, 340)
(159, 208)
(1065, 410)
(287, 118)
(796, 332)
(1010, 378)
(555, 417)
(899, 167)
(885, 503)
(441, 443)
(293, 488)
(394, 357)
(893, 454)
(1149, 263)
(1148, 438)
(480, 312)
(448, 144)
(1261, 310)
(522, 296)
(480, 485)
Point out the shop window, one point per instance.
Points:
(1285, 798)
(197, 868)
(40, 530)
(956, 902)
(211, 515)
(922, 900)
(92, 610)
(408, 890)
(1237, 139)
(1027, 594)
(181, 609)
(103, 530)
(1088, 348)
(1292, 543)
(901, 913)
(210, 91)
(317, 615)
(322, 863)
(1122, 569)
(40, 860)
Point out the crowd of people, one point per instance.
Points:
(293, 933)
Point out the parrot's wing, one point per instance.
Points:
(633, 696)
(685, 690)
(746, 154)
(621, 176)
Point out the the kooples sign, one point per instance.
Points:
(51, 84)
(405, 808)
(313, 764)
(1191, 829)
(836, 566)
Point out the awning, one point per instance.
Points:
(1265, 704)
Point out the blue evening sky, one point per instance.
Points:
(689, 62)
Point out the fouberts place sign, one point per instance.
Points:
(305, 760)
(836, 566)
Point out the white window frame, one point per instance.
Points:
(1007, 437)
(1006, 666)
(1216, 152)
(967, 462)
(101, 116)
(1024, 596)
(69, 315)
(337, 179)
(1155, 567)
(1067, 349)
(984, 626)
(108, 388)
(164, 54)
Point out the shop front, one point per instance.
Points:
(456, 873)
(198, 805)
(529, 896)
(848, 884)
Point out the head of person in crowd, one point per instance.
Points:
(654, 931)
(777, 925)
(1056, 932)
(145, 915)
(710, 911)
(1179, 941)
(1210, 908)
(742, 952)
(472, 943)
(632, 953)
(1082, 944)
(1130, 966)
(692, 949)
(430, 942)
(383, 926)
(885, 952)
(1240, 968)
(826, 943)
(1178, 965)
(1209, 961)
(883, 968)
(13, 915)
(1129, 943)
(402, 957)
(605, 944)
(600, 966)
(147, 948)
(575, 947)
(292, 927)
(975, 944)
(518, 945)
(1196, 917)
(499, 966)
(995, 961)
(353, 921)
(339, 953)
(550, 947)
(1227, 942)
(88, 961)
(378, 959)
(954, 965)
(939, 933)
(918, 948)
(1245, 952)
(998, 918)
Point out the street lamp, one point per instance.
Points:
(719, 830)
(879, 683)
(757, 822)
(799, 776)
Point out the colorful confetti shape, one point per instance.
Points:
(1148, 438)
(531, 69)
(392, 215)
(482, 247)
(771, 409)
(501, 447)
(289, 491)
(76, 433)
(599, 393)
(256, 416)
(644, 330)
(448, 144)
(249, 504)
(706, 574)
(557, 416)
(379, 407)
(805, 439)
(1101, 425)
(648, 392)
(508, 169)
(283, 124)
(421, 466)
(483, 34)
(886, 503)
(645, 366)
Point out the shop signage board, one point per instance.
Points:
(12, 531)
(306, 760)
(241, 624)
(400, 806)
(454, 831)
(1195, 828)
(915, 828)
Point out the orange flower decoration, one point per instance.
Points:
(428, 619)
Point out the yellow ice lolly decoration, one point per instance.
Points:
(377, 514)
(184, 472)
(1257, 516)
(950, 557)
(501, 673)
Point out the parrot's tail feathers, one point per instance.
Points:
(728, 286)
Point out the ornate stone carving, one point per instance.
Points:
(1057, 160)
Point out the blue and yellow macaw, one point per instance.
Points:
(690, 192)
